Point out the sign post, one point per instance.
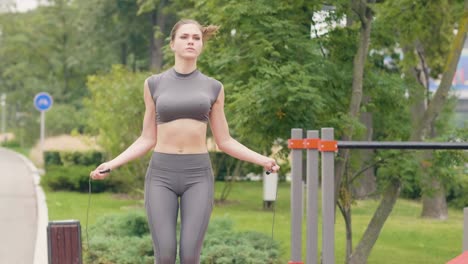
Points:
(3, 105)
(43, 102)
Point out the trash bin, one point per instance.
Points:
(64, 242)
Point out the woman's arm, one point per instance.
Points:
(141, 146)
(227, 144)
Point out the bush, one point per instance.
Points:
(457, 195)
(119, 123)
(224, 246)
(121, 239)
(10, 144)
(65, 118)
(88, 158)
(125, 239)
(52, 158)
(82, 158)
(75, 178)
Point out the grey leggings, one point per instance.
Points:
(173, 180)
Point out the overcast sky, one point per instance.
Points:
(24, 5)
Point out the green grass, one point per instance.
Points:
(405, 238)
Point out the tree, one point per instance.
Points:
(115, 33)
(395, 180)
(425, 44)
(270, 68)
(116, 125)
(38, 55)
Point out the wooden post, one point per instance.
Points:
(64, 242)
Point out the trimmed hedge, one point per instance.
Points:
(75, 178)
(67, 158)
(125, 239)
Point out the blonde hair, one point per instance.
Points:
(207, 31)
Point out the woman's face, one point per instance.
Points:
(188, 42)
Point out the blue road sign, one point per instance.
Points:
(43, 101)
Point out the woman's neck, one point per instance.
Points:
(184, 66)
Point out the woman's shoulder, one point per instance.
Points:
(214, 81)
(154, 80)
(216, 85)
(159, 75)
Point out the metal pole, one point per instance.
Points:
(296, 199)
(3, 104)
(42, 131)
(328, 201)
(465, 229)
(401, 145)
(312, 202)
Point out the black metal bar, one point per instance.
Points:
(401, 145)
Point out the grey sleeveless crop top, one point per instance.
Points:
(179, 95)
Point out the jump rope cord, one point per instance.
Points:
(87, 212)
(89, 205)
(274, 213)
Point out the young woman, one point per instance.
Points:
(179, 103)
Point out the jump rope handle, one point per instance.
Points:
(105, 171)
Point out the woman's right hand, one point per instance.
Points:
(101, 172)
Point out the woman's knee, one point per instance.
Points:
(165, 260)
(190, 260)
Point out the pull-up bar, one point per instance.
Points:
(401, 145)
(326, 146)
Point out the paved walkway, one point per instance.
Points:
(21, 212)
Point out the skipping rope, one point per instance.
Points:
(106, 171)
(87, 212)
(89, 205)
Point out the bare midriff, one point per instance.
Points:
(182, 136)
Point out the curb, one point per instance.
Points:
(40, 249)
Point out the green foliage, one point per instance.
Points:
(223, 246)
(451, 167)
(402, 166)
(10, 144)
(75, 178)
(130, 224)
(117, 109)
(52, 158)
(63, 119)
(115, 32)
(81, 158)
(270, 68)
(66, 158)
(388, 105)
(457, 196)
(428, 24)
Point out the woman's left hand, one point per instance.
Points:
(271, 166)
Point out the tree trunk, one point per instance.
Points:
(389, 198)
(434, 201)
(158, 22)
(123, 53)
(365, 185)
(440, 97)
(346, 213)
(365, 15)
